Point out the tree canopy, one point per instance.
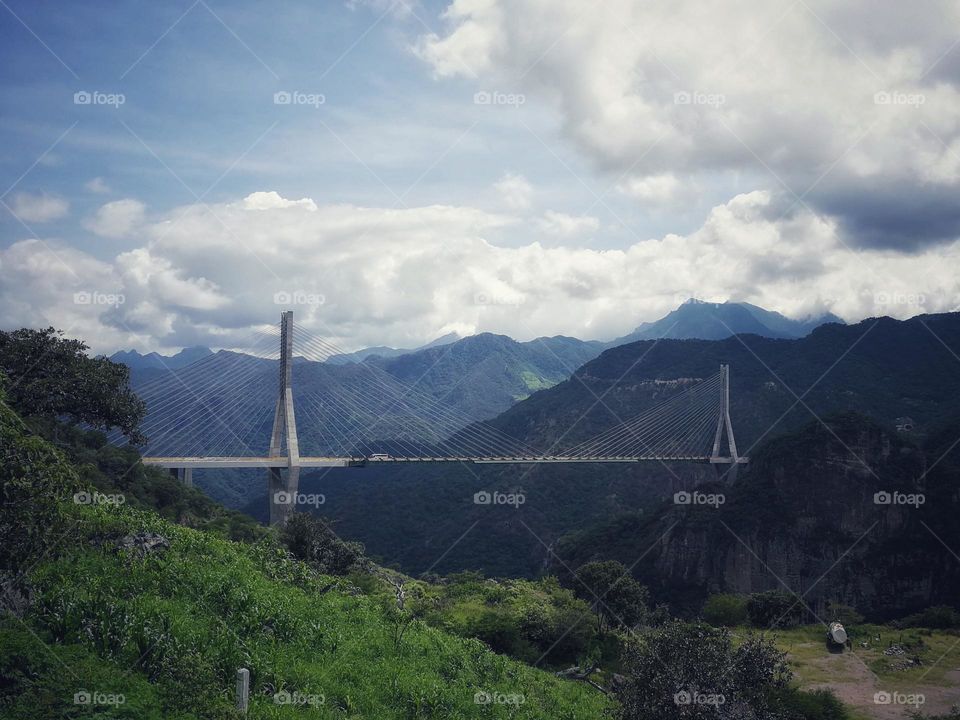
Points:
(50, 376)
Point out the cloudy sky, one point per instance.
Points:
(176, 173)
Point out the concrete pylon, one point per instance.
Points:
(283, 440)
(729, 472)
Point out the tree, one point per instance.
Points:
(770, 608)
(694, 671)
(725, 609)
(49, 376)
(613, 593)
(310, 539)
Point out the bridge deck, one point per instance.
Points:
(316, 462)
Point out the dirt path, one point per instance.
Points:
(856, 685)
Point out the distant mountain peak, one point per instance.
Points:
(153, 360)
(703, 320)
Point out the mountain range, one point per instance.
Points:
(483, 375)
(818, 415)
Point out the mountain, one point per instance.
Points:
(484, 374)
(388, 352)
(155, 361)
(881, 368)
(807, 515)
(715, 321)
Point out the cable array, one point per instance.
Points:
(681, 427)
(223, 406)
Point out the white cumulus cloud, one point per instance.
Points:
(117, 219)
(403, 276)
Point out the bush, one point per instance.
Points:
(941, 617)
(693, 670)
(725, 610)
(844, 614)
(774, 608)
(794, 704)
(310, 539)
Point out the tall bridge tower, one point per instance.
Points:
(283, 440)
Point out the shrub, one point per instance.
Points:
(725, 610)
(310, 539)
(941, 617)
(774, 608)
(794, 704)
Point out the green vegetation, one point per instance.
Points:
(697, 671)
(128, 595)
(166, 625)
(725, 610)
(53, 377)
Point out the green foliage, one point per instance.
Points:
(941, 617)
(33, 480)
(169, 627)
(534, 621)
(694, 669)
(311, 539)
(774, 608)
(724, 609)
(794, 704)
(618, 600)
(51, 376)
(844, 614)
(41, 683)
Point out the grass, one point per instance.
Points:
(169, 631)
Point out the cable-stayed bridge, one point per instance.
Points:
(230, 410)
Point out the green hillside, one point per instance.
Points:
(166, 626)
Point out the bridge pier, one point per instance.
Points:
(184, 475)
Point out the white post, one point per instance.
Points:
(243, 690)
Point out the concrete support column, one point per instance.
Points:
(282, 487)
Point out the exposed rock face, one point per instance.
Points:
(144, 543)
(847, 514)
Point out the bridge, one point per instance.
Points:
(360, 416)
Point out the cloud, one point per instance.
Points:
(272, 200)
(563, 225)
(653, 188)
(97, 185)
(515, 191)
(852, 108)
(117, 219)
(39, 208)
(367, 275)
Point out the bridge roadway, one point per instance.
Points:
(315, 462)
